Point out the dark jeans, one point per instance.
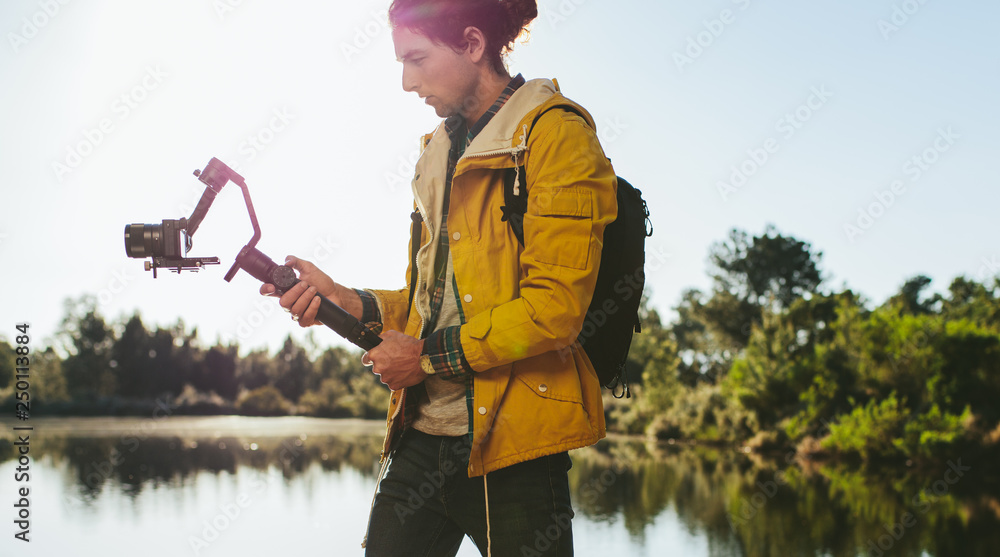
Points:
(426, 503)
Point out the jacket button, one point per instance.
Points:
(543, 387)
(482, 410)
(468, 298)
(457, 236)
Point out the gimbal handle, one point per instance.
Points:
(262, 268)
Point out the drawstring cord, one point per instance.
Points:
(489, 541)
(517, 169)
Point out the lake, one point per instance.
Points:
(220, 486)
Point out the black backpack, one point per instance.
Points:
(613, 314)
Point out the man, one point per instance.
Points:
(486, 397)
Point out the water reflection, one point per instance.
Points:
(754, 507)
(136, 463)
(728, 503)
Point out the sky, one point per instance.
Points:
(868, 128)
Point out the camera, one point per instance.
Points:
(157, 240)
(165, 244)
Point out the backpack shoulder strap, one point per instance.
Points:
(414, 248)
(516, 198)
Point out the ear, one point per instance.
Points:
(475, 44)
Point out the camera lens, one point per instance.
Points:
(142, 240)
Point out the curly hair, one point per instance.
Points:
(445, 21)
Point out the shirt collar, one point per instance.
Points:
(455, 124)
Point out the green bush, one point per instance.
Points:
(933, 433)
(630, 416)
(263, 401)
(870, 431)
(704, 413)
(328, 402)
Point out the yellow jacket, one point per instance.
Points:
(535, 390)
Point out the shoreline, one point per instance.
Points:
(208, 426)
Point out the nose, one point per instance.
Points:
(409, 80)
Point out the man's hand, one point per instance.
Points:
(301, 300)
(397, 360)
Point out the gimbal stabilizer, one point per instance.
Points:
(162, 243)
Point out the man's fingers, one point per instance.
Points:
(308, 318)
(386, 335)
(302, 303)
(267, 289)
(300, 265)
(292, 295)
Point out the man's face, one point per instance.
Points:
(438, 74)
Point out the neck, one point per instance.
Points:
(486, 91)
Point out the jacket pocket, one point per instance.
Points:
(550, 381)
(557, 226)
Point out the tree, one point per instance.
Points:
(48, 385)
(255, 370)
(6, 364)
(131, 359)
(217, 372)
(88, 340)
(173, 358)
(766, 267)
(293, 370)
(910, 299)
(975, 302)
(749, 274)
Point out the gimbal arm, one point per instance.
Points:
(215, 175)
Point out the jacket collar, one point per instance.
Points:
(504, 131)
(492, 147)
